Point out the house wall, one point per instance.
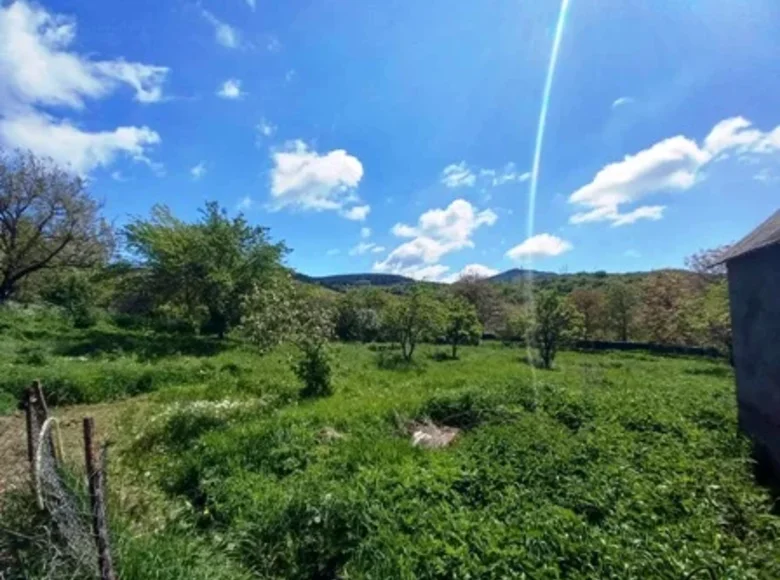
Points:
(754, 292)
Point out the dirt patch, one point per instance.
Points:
(13, 453)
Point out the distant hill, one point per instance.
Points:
(518, 275)
(349, 280)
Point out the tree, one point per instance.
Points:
(461, 324)
(484, 296)
(557, 322)
(358, 314)
(203, 270)
(280, 310)
(75, 293)
(620, 308)
(412, 319)
(591, 305)
(48, 221)
(668, 307)
(708, 262)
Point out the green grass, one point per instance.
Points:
(613, 465)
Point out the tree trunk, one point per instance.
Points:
(454, 349)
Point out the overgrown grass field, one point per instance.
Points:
(612, 465)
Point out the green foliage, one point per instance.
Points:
(202, 271)
(588, 474)
(283, 311)
(48, 221)
(621, 304)
(412, 319)
(556, 323)
(359, 314)
(461, 324)
(74, 292)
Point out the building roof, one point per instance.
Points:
(767, 234)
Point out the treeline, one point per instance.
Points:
(221, 275)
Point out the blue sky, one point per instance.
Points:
(398, 136)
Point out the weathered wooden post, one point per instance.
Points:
(97, 502)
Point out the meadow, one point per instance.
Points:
(610, 465)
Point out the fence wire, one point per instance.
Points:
(61, 495)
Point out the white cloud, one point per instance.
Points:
(475, 270)
(438, 232)
(458, 175)
(509, 174)
(245, 203)
(289, 75)
(365, 248)
(198, 171)
(252, 4)
(304, 179)
(365, 233)
(357, 213)
(274, 45)
(622, 101)
(117, 176)
(265, 128)
(539, 246)
(224, 34)
(71, 147)
(671, 164)
(766, 176)
(231, 89)
(38, 69)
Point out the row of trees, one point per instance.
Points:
(211, 275)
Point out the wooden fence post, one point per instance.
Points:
(97, 502)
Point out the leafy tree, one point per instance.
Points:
(591, 305)
(412, 319)
(556, 323)
(715, 317)
(358, 314)
(516, 325)
(485, 298)
(621, 304)
(48, 221)
(75, 293)
(280, 310)
(203, 270)
(461, 324)
(668, 308)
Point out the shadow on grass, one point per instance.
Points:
(147, 346)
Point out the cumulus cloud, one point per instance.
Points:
(458, 175)
(508, 174)
(224, 34)
(38, 68)
(231, 89)
(71, 147)
(669, 165)
(304, 179)
(539, 246)
(438, 232)
(357, 213)
(198, 171)
(471, 270)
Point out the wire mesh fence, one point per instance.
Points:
(72, 506)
